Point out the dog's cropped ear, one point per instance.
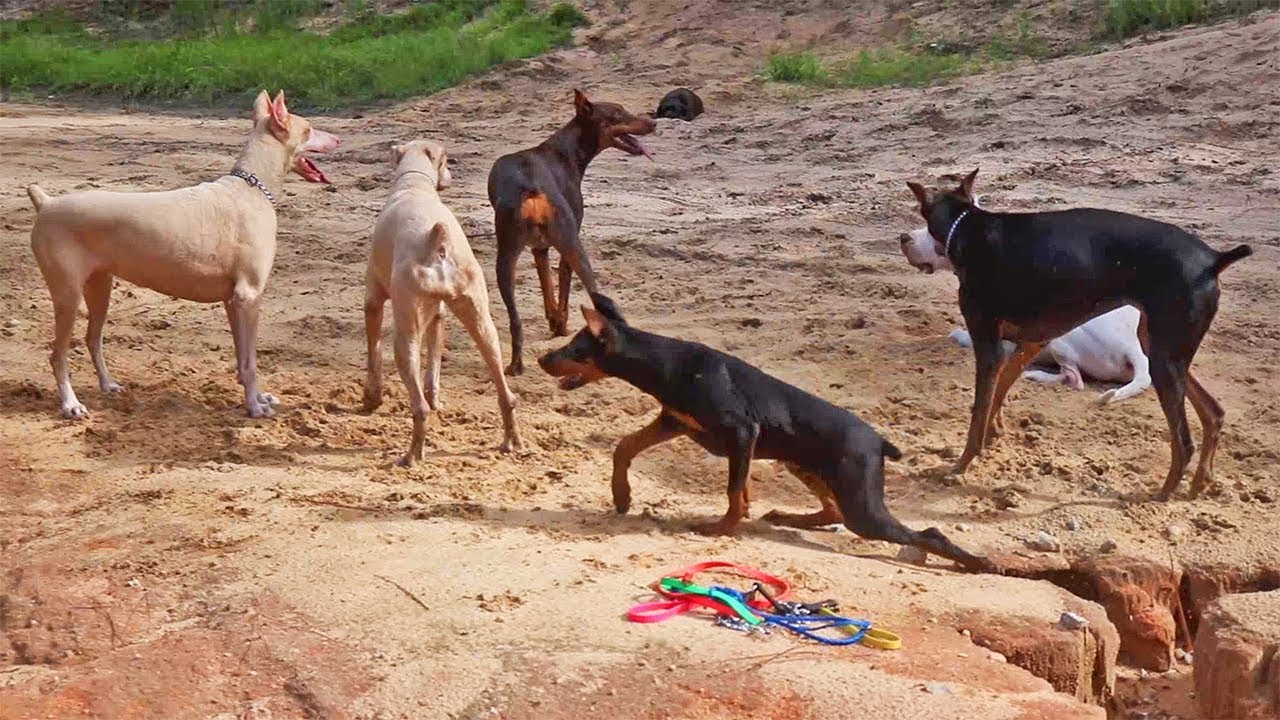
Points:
(444, 178)
(261, 107)
(397, 154)
(922, 195)
(582, 104)
(607, 307)
(966, 185)
(279, 113)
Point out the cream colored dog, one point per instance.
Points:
(421, 261)
(214, 242)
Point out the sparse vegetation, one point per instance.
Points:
(1123, 18)
(223, 52)
(869, 68)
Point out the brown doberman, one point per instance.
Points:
(536, 196)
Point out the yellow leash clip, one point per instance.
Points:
(874, 637)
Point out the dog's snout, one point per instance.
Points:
(904, 238)
(650, 124)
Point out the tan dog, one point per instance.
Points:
(214, 242)
(421, 261)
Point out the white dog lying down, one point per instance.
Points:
(1105, 348)
(214, 242)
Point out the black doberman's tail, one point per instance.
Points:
(889, 450)
(1225, 259)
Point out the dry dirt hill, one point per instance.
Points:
(170, 558)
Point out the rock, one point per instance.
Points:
(1072, 621)
(1074, 524)
(913, 555)
(1044, 542)
(1108, 546)
(1140, 597)
(1238, 648)
(963, 527)
(1175, 533)
(1207, 583)
(1006, 498)
(937, 689)
(1183, 656)
(13, 323)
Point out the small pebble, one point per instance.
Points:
(1175, 533)
(1072, 621)
(963, 527)
(13, 323)
(913, 555)
(937, 689)
(1044, 542)
(1074, 524)
(997, 657)
(1183, 656)
(1108, 546)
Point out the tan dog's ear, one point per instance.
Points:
(596, 323)
(922, 195)
(443, 177)
(261, 107)
(582, 104)
(397, 154)
(966, 185)
(279, 113)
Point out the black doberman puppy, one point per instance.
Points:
(1029, 277)
(735, 410)
(536, 196)
(680, 104)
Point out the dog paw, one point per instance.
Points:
(1107, 397)
(112, 387)
(268, 399)
(405, 461)
(515, 368)
(261, 410)
(714, 529)
(511, 443)
(75, 411)
(371, 400)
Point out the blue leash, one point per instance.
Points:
(808, 626)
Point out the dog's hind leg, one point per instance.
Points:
(510, 244)
(1169, 376)
(97, 296)
(472, 310)
(408, 352)
(1211, 416)
(828, 515)
(859, 491)
(65, 305)
(435, 352)
(988, 360)
(375, 301)
(1010, 371)
(547, 283)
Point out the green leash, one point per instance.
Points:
(676, 585)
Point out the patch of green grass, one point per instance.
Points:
(796, 67)
(431, 47)
(869, 68)
(1123, 18)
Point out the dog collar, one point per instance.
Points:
(414, 172)
(253, 181)
(946, 248)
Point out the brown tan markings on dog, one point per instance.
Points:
(536, 209)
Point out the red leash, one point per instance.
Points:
(680, 603)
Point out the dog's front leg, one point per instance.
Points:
(741, 448)
(986, 350)
(663, 428)
(242, 313)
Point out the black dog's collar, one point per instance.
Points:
(946, 247)
(253, 181)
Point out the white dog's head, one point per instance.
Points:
(424, 156)
(924, 252)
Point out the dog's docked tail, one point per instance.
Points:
(38, 197)
(890, 450)
(1225, 259)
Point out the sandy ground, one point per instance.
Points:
(171, 558)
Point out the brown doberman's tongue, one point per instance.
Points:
(634, 142)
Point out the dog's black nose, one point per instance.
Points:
(904, 238)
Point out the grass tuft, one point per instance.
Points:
(1130, 17)
(233, 50)
(796, 67)
(869, 68)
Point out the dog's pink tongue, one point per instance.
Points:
(644, 150)
(313, 173)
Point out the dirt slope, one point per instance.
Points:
(171, 558)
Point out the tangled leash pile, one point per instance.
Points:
(757, 609)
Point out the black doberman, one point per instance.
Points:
(680, 104)
(735, 410)
(1029, 277)
(536, 196)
